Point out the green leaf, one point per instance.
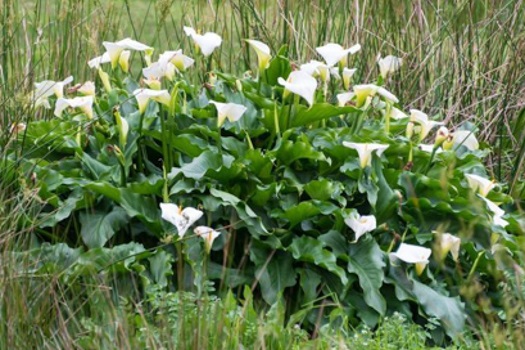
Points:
(311, 250)
(307, 210)
(98, 228)
(279, 67)
(290, 151)
(322, 189)
(160, 267)
(318, 112)
(365, 259)
(450, 311)
(275, 276)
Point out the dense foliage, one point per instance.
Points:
(304, 184)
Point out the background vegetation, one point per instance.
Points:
(463, 62)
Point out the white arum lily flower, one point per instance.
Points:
(429, 148)
(115, 49)
(462, 138)
(389, 65)
(365, 151)
(361, 224)
(182, 219)
(497, 212)
(144, 95)
(87, 89)
(479, 184)
(363, 92)
(413, 254)
(263, 53)
(47, 88)
(344, 98)
(207, 42)
(157, 71)
(232, 111)
(97, 61)
(449, 243)
(334, 53)
(317, 69)
(208, 234)
(85, 104)
(123, 60)
(347, 76)
(397, 114)
(178, 59)
(441, 136)
(425, 125)
(300, 83)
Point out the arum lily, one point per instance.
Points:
(87, 89)
(263, 53)
(429, 148)
(178, 59)
(497, 212)
(365, 151)
(317, 69)
(479, 184)
(334, 53)
(449, 243)
(361, 224)
(347, 75)
(389, 65)
(115, 50)
(232, 111)
(123, 60)
(300, 83)
(85, 104)
(182, 219)
(413, 254)
(344, 98)
(397, 114)
(97, 61)
(47, 88)
(144, 95)
(156, 71)
(441, 136)
(207, 42)
(104, 77)
(462, 138)
(425, 125)
(208, 234)
(363, 92)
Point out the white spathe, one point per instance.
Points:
(115, 49)
(97, 61)
(413, 254)
(333, 53)
(85, 104)
(263, 53)
(182, 219)
(388, 65)
(87, 89)
(465, 138)
(397, 114)
(208, 235)
(361, 224)
(316, 69)
(348, 73)
(300, 83)
(365, 150)
(497, 212)
(207, 42)
(449, 243)
(364, 91)
(144, 95)
(48, 88)
(425, 125)
(479, 184)
(232, 111)
(344, 98)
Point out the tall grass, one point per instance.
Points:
(463, 60)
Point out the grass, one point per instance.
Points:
(464, 62)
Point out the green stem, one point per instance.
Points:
(475, 265)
